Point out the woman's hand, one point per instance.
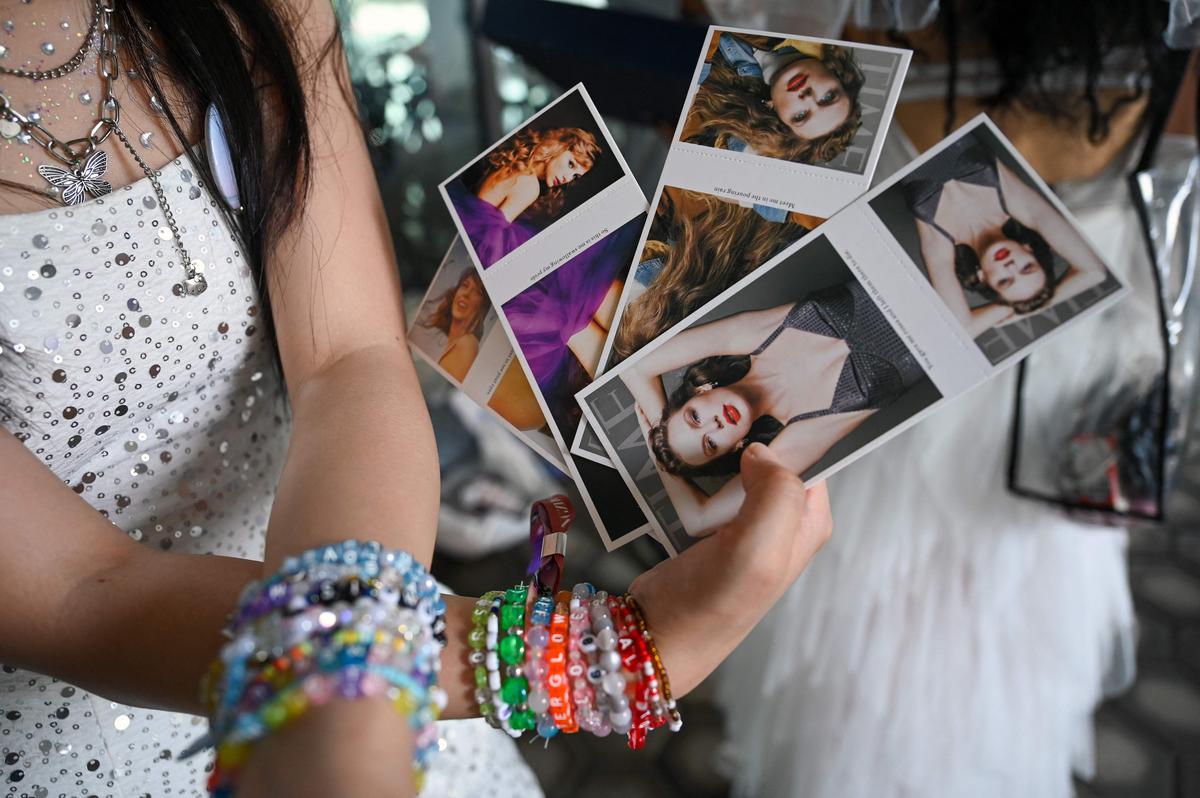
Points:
(701, 604)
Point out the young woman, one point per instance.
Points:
(522, 188)
(985, 232)
(815, 370)
(164, 434)
(788, 99)
(698, 246)
(459, 315)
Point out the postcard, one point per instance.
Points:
(456, 331)
(778, 132)
(550, 216)
(952, 270)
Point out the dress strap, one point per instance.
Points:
(943, 230)
(783, 325)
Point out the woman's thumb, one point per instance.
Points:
(774, 495)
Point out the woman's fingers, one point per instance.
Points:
(813, 530)
(774, 515)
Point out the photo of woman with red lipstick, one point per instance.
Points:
(532, 179)
(994, 248)
(790, 99)
(800, 376)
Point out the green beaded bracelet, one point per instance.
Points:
(477, 640)
(515, 688)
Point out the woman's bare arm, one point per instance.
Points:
(739, 334)
(1031, 209)
(938, 254)
(358, 412)
(362, 461)
(83, 602)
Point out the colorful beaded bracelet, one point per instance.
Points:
(537, 638)
(477, 640)
(350, 620)
(580, 644)
(642, 720)
(675, 720)
(557, 684)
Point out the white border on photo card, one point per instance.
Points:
(947, 353)
(579, 447)
(809, 188)
(541, 444)
(589, 224)
(608, 208)
(749, 179)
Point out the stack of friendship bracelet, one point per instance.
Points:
(578, 660)
(350, 620)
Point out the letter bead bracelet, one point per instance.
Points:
(351, 620)
(578, 660)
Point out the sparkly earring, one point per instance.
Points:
(705, 388)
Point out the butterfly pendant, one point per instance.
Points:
(76, 183)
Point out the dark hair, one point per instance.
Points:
(239, 55)
(718, 371)
(731, 104)
(1030, 40)
(967, 268)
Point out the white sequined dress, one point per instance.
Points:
(164, 413)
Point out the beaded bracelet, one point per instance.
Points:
(500, 708)
(632, 659)
(515, 690)
(537, 638)
(675, 720)
(350, 620)
(578, 664)
(613, 678)
(477, 640)
(557, 684)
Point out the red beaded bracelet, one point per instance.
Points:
(634, 659)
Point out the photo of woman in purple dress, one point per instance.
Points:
(560, 322)
(535, 177)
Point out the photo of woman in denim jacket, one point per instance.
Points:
(791, 99)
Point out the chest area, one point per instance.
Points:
(101, 351)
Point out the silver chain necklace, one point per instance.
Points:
(71, 65)
(86, 163)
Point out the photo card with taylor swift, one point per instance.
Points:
(536, 176)
(555, 283)
(738, 184)
(987, 235)
(765, 109)
(833, 347)
(456, 331)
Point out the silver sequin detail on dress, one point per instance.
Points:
(165, 414)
